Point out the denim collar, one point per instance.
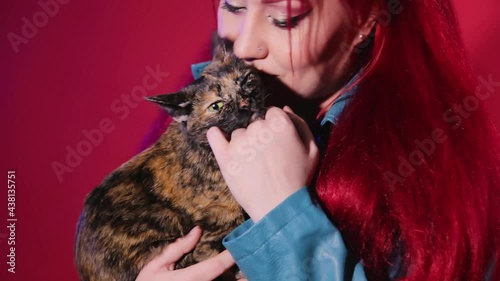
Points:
(333, 113)
(331, 116)
(197, 69)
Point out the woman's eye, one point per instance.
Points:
(292, 22)
(216, 106)
(232, 9)
(284, 23)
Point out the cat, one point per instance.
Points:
(163, 192)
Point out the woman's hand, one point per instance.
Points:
(266, 162)
(161, 268)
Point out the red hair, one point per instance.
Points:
(412, 167)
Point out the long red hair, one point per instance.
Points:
(412, 167)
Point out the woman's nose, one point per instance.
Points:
(250, 44)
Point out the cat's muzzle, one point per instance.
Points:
(258, 115)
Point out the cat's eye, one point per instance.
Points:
(216, 106)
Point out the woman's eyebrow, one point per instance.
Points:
(276, 1)
(271, 1)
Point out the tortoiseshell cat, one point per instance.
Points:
(163, 192)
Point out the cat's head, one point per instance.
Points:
(228, 95)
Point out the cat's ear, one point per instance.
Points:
(221, 48)
(178, 105)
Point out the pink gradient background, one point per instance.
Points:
(64, 80)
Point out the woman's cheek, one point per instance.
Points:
(227, 26)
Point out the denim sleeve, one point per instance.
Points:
(295, 241)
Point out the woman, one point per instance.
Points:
(409, 169)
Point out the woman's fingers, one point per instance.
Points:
(209, 269)
(304, 132)
(162, 266)
(218, 143)
(237, 133)
(173, 252)
(266, 162)
(301, 125)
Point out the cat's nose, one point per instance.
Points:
(245, 104)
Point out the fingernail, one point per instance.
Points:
(287, 108)
(192, 231)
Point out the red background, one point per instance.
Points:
(65, 79)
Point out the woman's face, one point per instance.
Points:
(310, 58)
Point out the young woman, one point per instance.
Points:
(408, 179)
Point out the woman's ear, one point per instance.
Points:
(362, 31)
(366, 30)
(221, 48)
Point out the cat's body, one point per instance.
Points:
(163, 192)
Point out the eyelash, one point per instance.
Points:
(232, 9)
(294, 21)
(283, 24)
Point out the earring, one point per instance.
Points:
(361, 37)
